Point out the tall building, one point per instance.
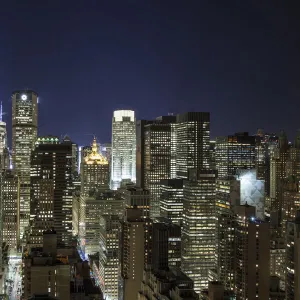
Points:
(266, 143)
(110, 226)
(133, 253)
(75, 154)
(292, 283)
(171, 196)
(52, 188)
(278, 175)
(87, 212)
(192, 142)
(24, 134)
(234, 152)
(94, 171)
(157, 141)
(140, 152)
(252, 255)
(10, 209)
(123, 162)
(199, 226)
(227, 199)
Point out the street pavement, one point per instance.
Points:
(14, 280)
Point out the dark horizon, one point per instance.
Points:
(239, 61)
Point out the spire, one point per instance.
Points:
(94, 145)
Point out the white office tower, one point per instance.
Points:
(123, 162)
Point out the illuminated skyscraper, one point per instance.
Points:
(199, 226)
(110, 226)
(123, 162)
(52, 188)
(10, 209)
(94, 171)
(156, 156)
(24, 134)
(193, 142)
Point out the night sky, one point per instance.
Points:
(237, 59)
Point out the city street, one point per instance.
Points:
(14, 282)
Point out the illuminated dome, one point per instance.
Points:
(95, 157)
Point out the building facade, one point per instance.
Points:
(94, 171)
(192, 142)
(199, 226)
(10, 210)
(24, 134)
(52, 187)
(159, 156)
(109, 255)
(171, 196)
(123, 161)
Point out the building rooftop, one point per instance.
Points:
(95, 157)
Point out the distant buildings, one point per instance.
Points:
(123, 160)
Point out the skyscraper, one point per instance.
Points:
(52, 189)
(292, 287)
(278, 174)
(133, 252)
(199, 225)
(160, 157)
(123, 162)
(252, 255)
(193, 142)
(110, 226)
(234, 152)
(10, 209)
(24, 134)
(94, 171)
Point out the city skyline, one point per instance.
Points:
(94, 59)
